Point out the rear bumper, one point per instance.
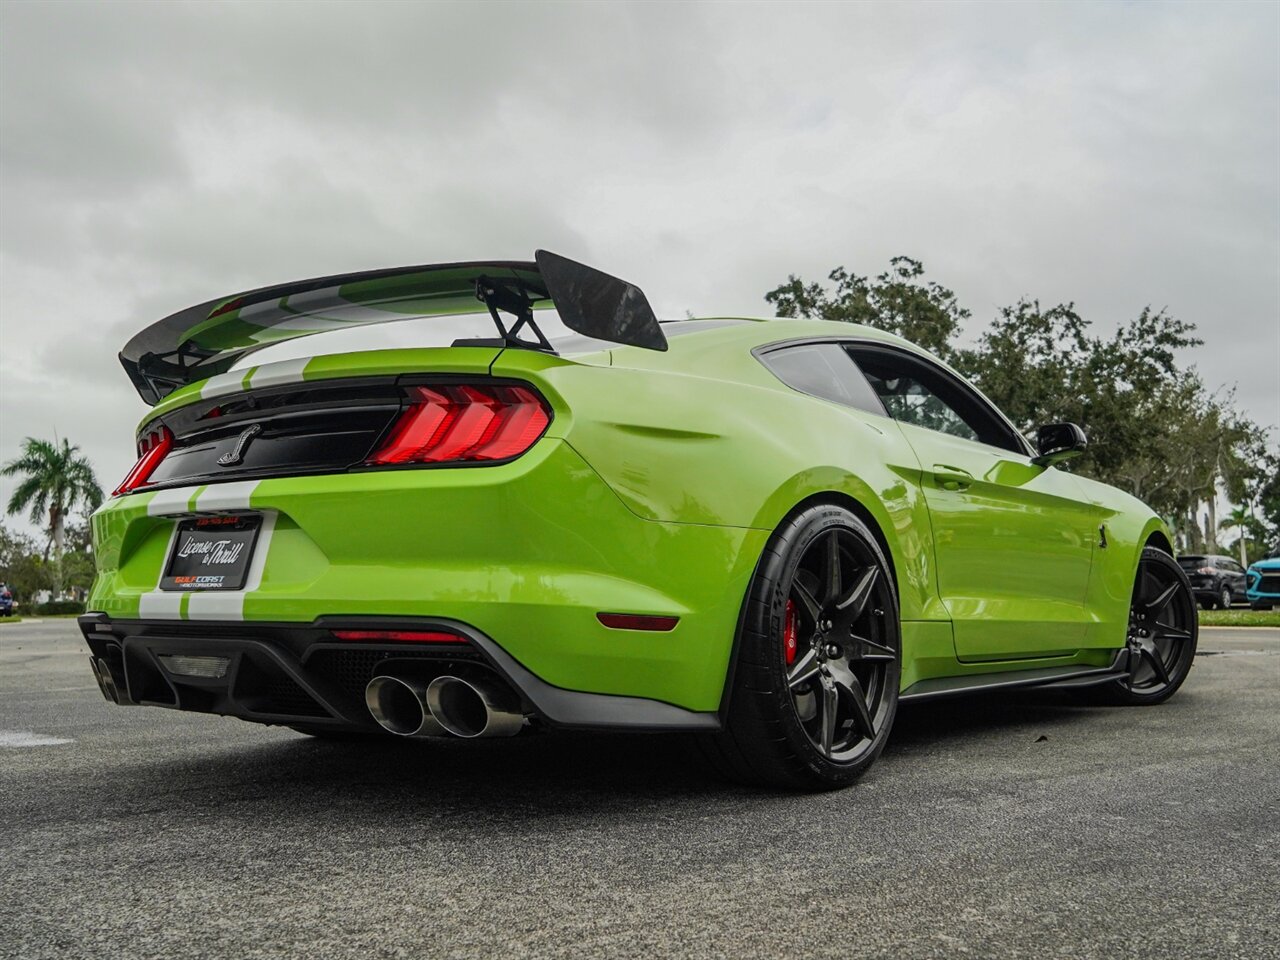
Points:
(525, 553)
(302, 674)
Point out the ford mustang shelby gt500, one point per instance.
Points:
(766, 533)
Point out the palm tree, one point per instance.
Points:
(1242, 518)
(55, 479)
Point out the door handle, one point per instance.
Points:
(952, 478)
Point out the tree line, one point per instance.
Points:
(54, 482)
(1155, 428)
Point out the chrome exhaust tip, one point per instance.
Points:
(102, 683)
(478, 707)
(107, 681)
(400, 707)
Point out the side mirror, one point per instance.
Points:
(1057, 442)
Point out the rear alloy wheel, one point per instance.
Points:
(819, 658)
(1163, 631)
(1224, 599)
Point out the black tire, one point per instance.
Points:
(1163, 632)
(1259, 606)
(819, 656)
(1224, 599)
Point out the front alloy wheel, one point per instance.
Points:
(815, 688)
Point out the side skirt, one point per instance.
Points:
(1060, 677)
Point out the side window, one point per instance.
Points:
(917, 392)
(823, 370)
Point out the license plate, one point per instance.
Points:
(211, 553)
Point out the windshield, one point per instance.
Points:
(1189, 563)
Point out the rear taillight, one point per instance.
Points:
(1206, 571)
(457, 423)
(152, 448)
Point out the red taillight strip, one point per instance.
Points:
(152, 448)
(465, 423)
(401, 636)
(637, 621)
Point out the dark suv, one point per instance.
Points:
(1216, 580)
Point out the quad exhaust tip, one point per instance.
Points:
(106, 681)
(411, 707)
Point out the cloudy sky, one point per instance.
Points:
(156, 155)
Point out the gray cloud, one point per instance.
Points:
(152, 156)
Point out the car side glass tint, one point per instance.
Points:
(917, 392)
(909, 400)
(823, 370)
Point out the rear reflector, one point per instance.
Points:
(210, 668)
(636, 621)
(455, 423)
(400, 636)
(152, 448)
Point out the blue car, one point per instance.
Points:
(6, 601)
(1263, 587)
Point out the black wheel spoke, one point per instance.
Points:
(805, 668)
(864, 649)
(830, 708)
(857, 697)
(832, 575)
(812, 608)
(1153, 657)
(854, 602)
(1162, 600)
(1164, 631)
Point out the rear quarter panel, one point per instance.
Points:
(733, 446)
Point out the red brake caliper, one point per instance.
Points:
(789, 633)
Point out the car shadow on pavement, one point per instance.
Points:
(946, 721)
(534, 778)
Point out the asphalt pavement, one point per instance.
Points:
(1015, 826)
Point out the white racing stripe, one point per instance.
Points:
(171, 502)
(226, 496)
(274, 374)
(222, 384)
(229, 604)
(160, 604)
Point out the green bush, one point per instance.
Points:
(57, 607)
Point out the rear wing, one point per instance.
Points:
(209, 338)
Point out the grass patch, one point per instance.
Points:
(4, 620)
(1240, 618)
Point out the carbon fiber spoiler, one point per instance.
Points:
(208, 338)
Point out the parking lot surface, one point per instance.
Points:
(1017, 826)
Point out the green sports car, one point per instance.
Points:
(767, 534)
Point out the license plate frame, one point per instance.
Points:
(211, 553)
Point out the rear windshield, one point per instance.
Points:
(1190, 563)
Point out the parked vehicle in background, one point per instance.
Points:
(1264, 582)
(6, 601)
(1217, 581)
